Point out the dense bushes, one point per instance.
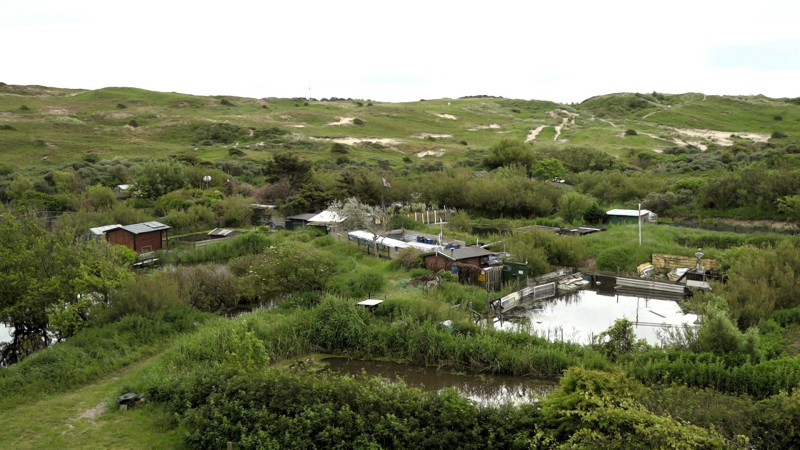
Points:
(731, 373)
(762, 280)
(294, 410)
(542, 250)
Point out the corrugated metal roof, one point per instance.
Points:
(627, 212)
(101, 230)
(327, 217)
(389, 242)
(457, 254)
(220, 232)
(147, 227)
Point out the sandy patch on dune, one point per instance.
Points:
(344, 121)
(701, 138)
(447, 116)
(491, 126)
(533, 133)
(437, 153)
(720, 137)
(58, 112)
(299, 125)
(433, 135)
(351, 140)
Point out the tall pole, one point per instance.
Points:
(383, 208)
(640, 224)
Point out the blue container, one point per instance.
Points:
(455, 246)
(429, 241)
(420, 239)
(454, 270)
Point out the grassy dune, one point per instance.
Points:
(44, 126)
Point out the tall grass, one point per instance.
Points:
(245, 244)
(92, 353)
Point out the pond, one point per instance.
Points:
(584, 314)
(483, 390)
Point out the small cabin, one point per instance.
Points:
(442, 259)
(140, 237)
(631, 216)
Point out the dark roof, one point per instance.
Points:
(582, 230)
(457, 254)
(141, 228)
(301, 216)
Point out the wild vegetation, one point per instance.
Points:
(224, 339)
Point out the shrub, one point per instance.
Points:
(408, 259)
(121, 106)
(220, 132)
(24, 108)
(358, 284)
(91, 158)
(777, 117)
(226, 102)
(133, 123)
(339, 148)
(235, 152)
(778, 135)
(358, 121)
(630, 132)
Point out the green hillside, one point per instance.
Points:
(47, 126)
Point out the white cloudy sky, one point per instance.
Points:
(564, 51)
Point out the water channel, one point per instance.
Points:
(483, 390)
(579, 316)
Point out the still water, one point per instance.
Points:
(5, 333)
(483, 390)
(584, 314)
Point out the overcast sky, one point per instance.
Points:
(564, 51)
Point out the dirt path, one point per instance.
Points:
(87, 418)
(533, 133)
(567, 120)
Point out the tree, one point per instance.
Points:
(548, 169)
(619, 339)
(158, 178)
(102, 198)
(44, 273)
(790, 205)
(357, 215)
(573, 205)
(235, 211)
(507, 152)
(290, 166)
(287, 269)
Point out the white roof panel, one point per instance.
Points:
(627, 212)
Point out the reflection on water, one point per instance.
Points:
(584, 314)
(483, 390)
(5, 333)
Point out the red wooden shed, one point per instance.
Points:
(140, 237)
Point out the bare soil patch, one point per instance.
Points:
(343, 121)
(437, 153)
(94, 413)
